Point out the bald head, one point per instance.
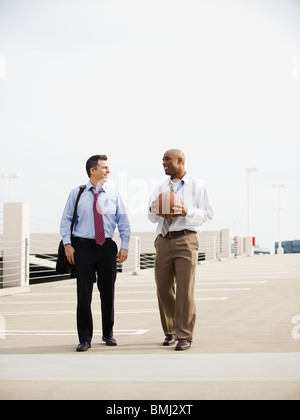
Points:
(177, 154)
(173, 163)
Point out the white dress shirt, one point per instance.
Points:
(195, 197)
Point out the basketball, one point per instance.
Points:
(165, 203)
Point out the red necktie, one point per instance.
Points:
(98, 220)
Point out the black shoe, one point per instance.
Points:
(84, 346)
(183, 345)
(109, 341)
(169, 340)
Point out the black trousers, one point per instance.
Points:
(95, 263)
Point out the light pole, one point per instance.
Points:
(280, 250)
(10, 177)
(249, 171)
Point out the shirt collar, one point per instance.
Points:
(89, 185)
(185, 179)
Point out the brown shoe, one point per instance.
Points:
(169, 340)
(183, 345)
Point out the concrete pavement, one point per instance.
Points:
(246, 345)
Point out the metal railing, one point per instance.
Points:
(34, 261)
(14, 263)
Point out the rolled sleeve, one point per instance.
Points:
(67, 217)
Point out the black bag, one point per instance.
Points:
(62, 264)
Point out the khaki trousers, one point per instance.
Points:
(175, 270)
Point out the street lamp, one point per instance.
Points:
(10, 177)
(280, 250)
(249, 171)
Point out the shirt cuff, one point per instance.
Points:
(66, 240)
(194, 216)
(125, 245)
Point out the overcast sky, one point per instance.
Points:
(219, 79)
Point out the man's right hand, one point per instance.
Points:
(70, 252)
(153, 208)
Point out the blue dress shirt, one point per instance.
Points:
(113, 211)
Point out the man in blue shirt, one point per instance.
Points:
(100, 209)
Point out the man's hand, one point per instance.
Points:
(179, 210)
(153, 208)
(70, 252)
(122, 256)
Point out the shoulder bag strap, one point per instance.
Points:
(81, 189)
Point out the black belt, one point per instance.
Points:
(90, 240)
(177, 234)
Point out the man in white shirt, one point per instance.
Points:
(177, 249)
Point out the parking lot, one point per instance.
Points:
(246, 344)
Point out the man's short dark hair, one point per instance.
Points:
(92, 162)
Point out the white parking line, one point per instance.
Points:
(73, 302)
(155, 300)
(225, 289)
(198, 283)
(95, 312)
(141, 292)
(65, 332)
(217, 283)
